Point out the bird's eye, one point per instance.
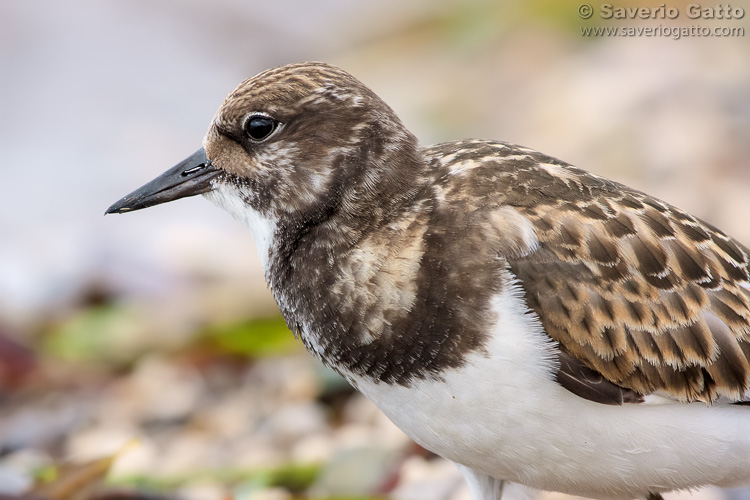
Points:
(260, 127)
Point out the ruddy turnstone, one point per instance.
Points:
(527, 320)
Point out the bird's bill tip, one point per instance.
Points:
(190, 177)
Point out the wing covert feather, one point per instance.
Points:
(647, 295)
(643, 293)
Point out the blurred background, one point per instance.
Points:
(156, 328)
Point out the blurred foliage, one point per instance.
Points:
(98, 334)
(253, 338)
(86, 480)
(92, 334)
(71, 481)
(295, 478)
(474, 25)
(349, 498)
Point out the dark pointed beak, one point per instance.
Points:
(190, 177)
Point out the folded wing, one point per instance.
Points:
(632, 289)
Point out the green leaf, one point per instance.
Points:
(93, 334)
(256, 338)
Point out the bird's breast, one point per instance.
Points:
(409, 300)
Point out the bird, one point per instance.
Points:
(530, 321)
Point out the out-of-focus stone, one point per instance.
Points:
(17, 470)
(295, 421)
(265, 494)
(256, 453)
(354, 471)
(201, 491)
(421, 479)
(315, 448)
(164, 389)
(43, 420)
(101, 439)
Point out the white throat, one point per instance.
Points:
(261, 227)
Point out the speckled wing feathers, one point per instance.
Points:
(648, 296)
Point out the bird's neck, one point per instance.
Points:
(378, 189)
(312, 265)
(351, 285)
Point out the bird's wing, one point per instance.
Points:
(638, 294)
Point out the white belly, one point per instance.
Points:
(504, 414)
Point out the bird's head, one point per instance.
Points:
(292, 145)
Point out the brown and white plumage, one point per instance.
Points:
(528, 320)
(643, 293)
